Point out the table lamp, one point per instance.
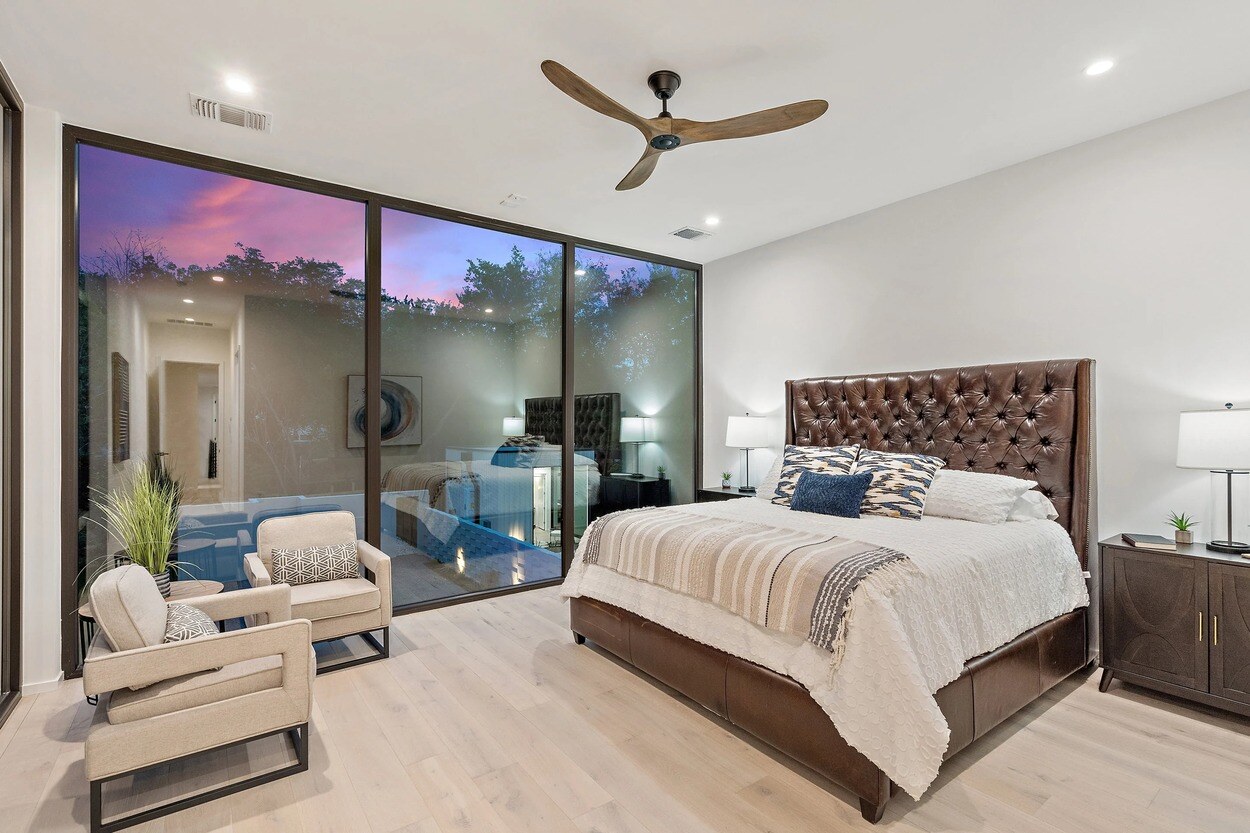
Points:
(513, 426)
(635, 430)
(746, 432)
(1218, 441)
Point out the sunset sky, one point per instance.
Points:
(199, 216)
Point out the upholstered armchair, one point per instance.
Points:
(338, 608)
(164, 701)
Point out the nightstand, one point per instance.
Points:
(1177, 621)
(617, 493)
(713, 493)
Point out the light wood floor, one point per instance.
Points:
(488, 718)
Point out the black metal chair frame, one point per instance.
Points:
(298, 735)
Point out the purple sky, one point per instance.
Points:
(199, 216)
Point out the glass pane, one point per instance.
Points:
(220, 321)
(634, 354)
(471, 468)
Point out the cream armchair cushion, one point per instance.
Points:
(295, 532)
(336, 608)
(128, 608)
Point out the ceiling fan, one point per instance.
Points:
(664, 133)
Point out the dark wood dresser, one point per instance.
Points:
(1177, 622)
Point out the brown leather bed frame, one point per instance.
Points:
(1031, 420)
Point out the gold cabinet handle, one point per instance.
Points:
(1200, 626)
(1215, 630)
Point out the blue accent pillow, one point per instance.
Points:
(830, 494)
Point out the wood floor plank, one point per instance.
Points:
(488, 719)
(609, 818)
(522, 804)
(381, 781)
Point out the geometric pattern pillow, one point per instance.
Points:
(186, 622)
(900, 482)
(313, 564)
(800, 458)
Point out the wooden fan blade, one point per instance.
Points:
(752, 124)
(577, 88)
(641, 170)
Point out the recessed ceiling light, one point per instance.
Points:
(239, 84)
(712, 221)
(1099, 67)
(488, 310)
(218, 279)
(187, 301)
(189, 320)
(579, 272)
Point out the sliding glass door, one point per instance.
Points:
(470, 362)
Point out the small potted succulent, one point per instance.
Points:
(661, 472)
(1184, 526)
(725, 477)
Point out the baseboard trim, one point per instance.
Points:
(42, 688)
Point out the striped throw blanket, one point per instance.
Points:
(799, 583)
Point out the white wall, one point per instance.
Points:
(41, 404)
(1133, 249)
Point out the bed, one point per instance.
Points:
(496, 489)
(1030, 420)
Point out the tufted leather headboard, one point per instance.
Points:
(1028, 419)
(596, 424)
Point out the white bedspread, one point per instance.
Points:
(977, 587)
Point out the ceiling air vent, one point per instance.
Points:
(207, 108)
(689, 233)
(186, 323)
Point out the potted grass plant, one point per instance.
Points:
(143, 517)
(725, 477)
(1184, 526)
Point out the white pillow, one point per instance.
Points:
(973, 496)
(768, 486)
(1033, 506)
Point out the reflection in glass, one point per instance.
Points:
(634, 353)
(219, 321)
(471, 470)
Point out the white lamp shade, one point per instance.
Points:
(747, 432)
(1214, 440)
(513, 426)
(635, 429)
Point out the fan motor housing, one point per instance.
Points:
(664, 83)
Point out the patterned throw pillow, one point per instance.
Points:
(312, 564)
(187, 622)
(900, 482)
(820, 459)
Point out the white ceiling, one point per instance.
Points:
(444, 102)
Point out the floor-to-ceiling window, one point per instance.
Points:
(470, 364)
(232, 329)
(220, 328)
(634, 341)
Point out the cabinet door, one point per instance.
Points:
(1154, 616)
(1230, 635)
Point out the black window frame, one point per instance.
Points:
(374, 202)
